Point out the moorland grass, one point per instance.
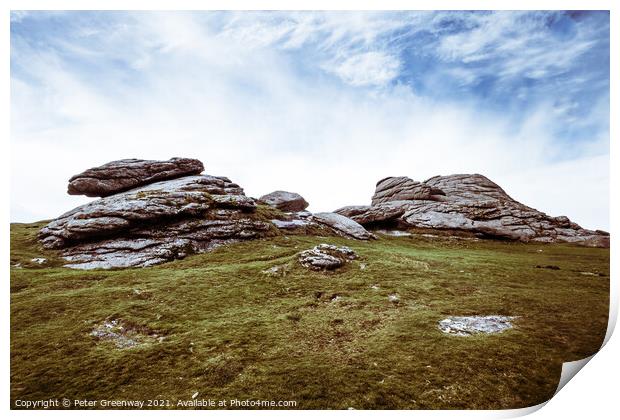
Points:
(324, 340)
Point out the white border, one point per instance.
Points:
(593, 394)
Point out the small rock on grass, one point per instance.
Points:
(326, 257)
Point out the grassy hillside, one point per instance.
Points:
(231, 331)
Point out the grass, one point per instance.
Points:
(234, 332)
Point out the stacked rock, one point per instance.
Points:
(469, 203)
(151, 212)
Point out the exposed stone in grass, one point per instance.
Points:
(468, 325)
(277, 270)
(124, 334)
(588, 273)
(548, 267)
(39, 260)
(394, 298)
(326, 257)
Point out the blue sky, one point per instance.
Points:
(324, 104)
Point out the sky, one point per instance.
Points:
(320, 103)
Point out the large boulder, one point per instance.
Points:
(122, 175)
(343, 225)
(285, 201)
(469, 203)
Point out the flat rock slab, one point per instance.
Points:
(343, 225)
(469, 325)
(125, 174)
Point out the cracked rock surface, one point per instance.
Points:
(155, 223)
(122, 175)
(468, 325)
(469, 203)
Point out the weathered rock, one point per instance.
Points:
(156, 223)
(471, 203)
(285, 201)
(404, 188)
(343, 225)
(390, 210)
(468, 325)
(326, 257)
(190, 196)
(156, 244)
(122, 175)
(291, 224)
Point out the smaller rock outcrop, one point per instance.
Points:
(122, 175)
(343, 225)
(326, 257)
(285, 201)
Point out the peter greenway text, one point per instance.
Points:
(162, 403)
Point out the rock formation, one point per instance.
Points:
(285, 201)
(152, 212)
(468, 203)
(156, 222)
(122, 175)
(156, 211)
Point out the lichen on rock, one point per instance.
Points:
(326, 257)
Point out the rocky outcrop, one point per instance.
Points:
(468, 203)
(285, 201)
(154, 223)
(186, 197)
(326, 257)
(343, 225)
(122, 175)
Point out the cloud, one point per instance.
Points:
(254, 96)
(366, 69)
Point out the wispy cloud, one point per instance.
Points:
(319, 103)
